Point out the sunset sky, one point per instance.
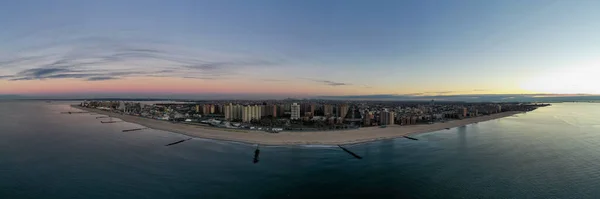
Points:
(299, 47)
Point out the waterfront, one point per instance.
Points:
(552, 152)
(297, 138)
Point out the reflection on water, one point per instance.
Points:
(462, 137)
(46, 154)
(256, 154)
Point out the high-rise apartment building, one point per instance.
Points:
(237, 111)
(295, 109)
(232, 112)
(265, 111)
(287, 107)
(246, 113)
(383, 117)
(367, 118)
(269, 110)
(307, 109)
(250, 113)
(280, 110)
(343, 110)
(304, 108)
(386, 117)
(208, 109)
(227, 111)
(328, 110)
(216, 108)
(273, 110)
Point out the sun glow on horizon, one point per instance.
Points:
(170, 85)
(566, 81)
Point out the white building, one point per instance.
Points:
(121, 106)
(178, 115)
(295, 108)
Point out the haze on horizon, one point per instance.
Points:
(299, 48)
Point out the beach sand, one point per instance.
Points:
(339, 137)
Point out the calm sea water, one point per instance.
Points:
(553, 152)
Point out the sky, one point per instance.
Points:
(298, 48)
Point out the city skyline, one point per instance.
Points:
(298, 48)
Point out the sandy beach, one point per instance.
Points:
(366, 134)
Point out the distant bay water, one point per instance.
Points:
(552, 152)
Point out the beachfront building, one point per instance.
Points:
(307, 109)
(208, 109)
(226, 111)
(121, 106)
(295, 108)
(367, 118)
(343, 110)
(280, 110)
(233, 112)
(386, 117)
(250, 113)
(463, 112)
(270, 110)
(328, 110)
(390, 118)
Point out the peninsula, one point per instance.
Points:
(311, 136)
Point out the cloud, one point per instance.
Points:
(209, 66)
(225, 68)
(416, 94)
(100, 78)
(204, 78)
(62, 76)
(7, 63)
(444, 92)
(465, 98)
(331, 83)
(63, 73)
(328, 82)
(97, 59)
(41, 72)
(430, 93)
(145, 50)
(56, 76)
(272, 80)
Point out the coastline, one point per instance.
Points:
(342, 137)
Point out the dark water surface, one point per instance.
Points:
(553, 152)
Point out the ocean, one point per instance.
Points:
(552, 152)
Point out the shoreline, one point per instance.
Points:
(341, 137)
